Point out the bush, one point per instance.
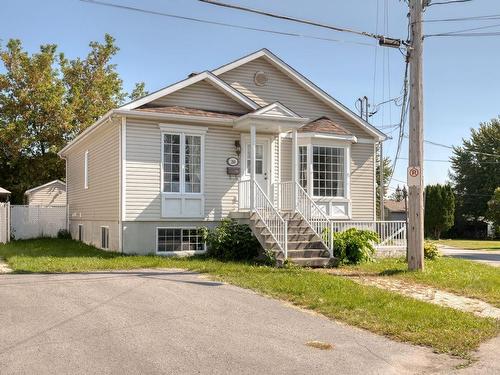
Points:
(64, 234)
(430, 250)
(354, 246)
(231, 241)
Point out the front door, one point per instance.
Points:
(262, 165)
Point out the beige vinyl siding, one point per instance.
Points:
(286, 159)
(201, 95)
(101, 200)
(362, 180)
(283, 89)
(92, 232)
(143, 169)
(52, 195)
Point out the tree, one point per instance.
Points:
(139, 91)
(439, 209)
(387, 167)
(45, 101)
(493, 212)
(476, 170)
(93, 85)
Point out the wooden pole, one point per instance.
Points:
(381, 183)
(416, 149)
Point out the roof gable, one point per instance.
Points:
(276, 109)
(324, 125)
(207, 77)
(55, 182)
(303, 82)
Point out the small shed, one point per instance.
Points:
(395, 210)
(52, 193)
(4, 195)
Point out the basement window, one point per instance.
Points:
(80, 232)
(170, 240)
(105, 238)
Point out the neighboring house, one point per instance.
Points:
(4, 195)
(395, 210)
(146, 175)
(52, 193)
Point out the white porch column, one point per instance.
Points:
(295, 154)
(252, 167)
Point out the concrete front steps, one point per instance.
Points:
(304, 247)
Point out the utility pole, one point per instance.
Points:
(416, 149)
(381, 182)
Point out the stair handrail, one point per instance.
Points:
(315, 217)
(272, 220)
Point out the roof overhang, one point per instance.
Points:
(268, 124)
(327, 136)
(305, 83)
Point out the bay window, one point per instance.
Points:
(328, 171)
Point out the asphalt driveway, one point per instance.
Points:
(490, 257)
(177, 322)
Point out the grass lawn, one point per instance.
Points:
(383, 312)
(471, 244)
(455, 275)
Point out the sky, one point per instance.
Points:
(461, 75)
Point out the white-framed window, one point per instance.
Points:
(170, 240)
(80, 232)
(259, 159)
(86, 170)
(104, 237)
(328, 171)
(182, 163)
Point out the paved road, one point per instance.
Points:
(482, 256)
(175, 322)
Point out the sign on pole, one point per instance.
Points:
(413, 177)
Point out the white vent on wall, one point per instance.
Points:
(260, 78)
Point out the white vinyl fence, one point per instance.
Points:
(36, 221)
(4, 222)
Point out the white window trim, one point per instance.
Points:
(182, 131)
(86, 170)
(107, 227)
(310, 171)
(178, 253)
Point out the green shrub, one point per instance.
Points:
(231, 241)
(354, 246)
(430, 250)
(64, 234)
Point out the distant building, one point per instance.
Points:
(394, 210)
(52, 193)
(4, 195)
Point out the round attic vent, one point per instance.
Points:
(260, 78)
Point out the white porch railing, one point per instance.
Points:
(283, 195)
(266, 211)
(315, 217)
(392, 233)
(272, 219)
(244, 195)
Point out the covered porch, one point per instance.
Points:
(291, 165)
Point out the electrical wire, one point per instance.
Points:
(471, 29)
(460, 19)
(449, 2)
(293, 19)
(224, 24)
(452, 148)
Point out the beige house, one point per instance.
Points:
(52, 193)
(253, 139)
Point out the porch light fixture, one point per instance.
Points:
(237, 147)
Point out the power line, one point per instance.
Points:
(460, 19)
(224, 24)
(453, 147)
(464, 30)
(464, 34)
(449, 2)
(297, 20)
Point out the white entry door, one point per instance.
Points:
(262, 163)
